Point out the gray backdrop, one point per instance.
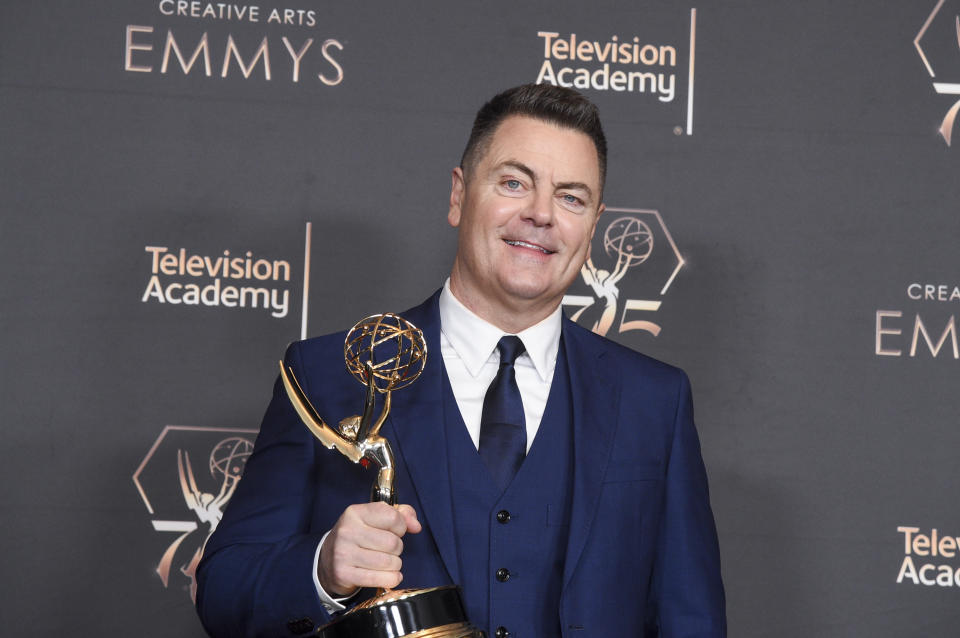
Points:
(787, 233)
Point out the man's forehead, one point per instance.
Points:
(541, 145)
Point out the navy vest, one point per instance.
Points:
(511, 546)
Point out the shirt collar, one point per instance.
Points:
(475, 339)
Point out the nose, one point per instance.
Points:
(540, 211)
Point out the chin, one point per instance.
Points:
(528, 289)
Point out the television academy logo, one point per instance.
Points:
(611, 65)
(186, 480)
(633, 260)
(227, 279)
(929, 559)
(621, 63)
(937, 42)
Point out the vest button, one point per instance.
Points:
(503, 516)
(503, 574)
(502, 632)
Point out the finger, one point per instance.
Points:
(346, 580)
(410, 518)
(344, 567)
(382, 516)
(377, 540)
(375, 578)
(376, 561)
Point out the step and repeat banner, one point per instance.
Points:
(187, 186)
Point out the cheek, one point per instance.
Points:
(578, 236)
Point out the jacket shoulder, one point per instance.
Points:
(322, 357)
(627, 360)
(324, 350)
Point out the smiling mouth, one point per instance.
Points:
(523, 244)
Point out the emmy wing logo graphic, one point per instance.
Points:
(186, 481)
(631, 264)
(938, 43)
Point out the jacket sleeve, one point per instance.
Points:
(255, 578)
(687, 591)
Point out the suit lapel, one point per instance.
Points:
(595, 394)
(416, 429)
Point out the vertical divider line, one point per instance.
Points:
(693, 49)
(306, 279)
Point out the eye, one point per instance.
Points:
(512, 184)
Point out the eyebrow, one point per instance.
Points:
(520, 166)
(523, 168)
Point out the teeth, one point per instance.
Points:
(516, 242)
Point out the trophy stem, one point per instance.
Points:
(384, 490)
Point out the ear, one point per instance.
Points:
(457, 189)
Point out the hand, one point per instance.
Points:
(363, 548)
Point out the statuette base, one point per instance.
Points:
(437, 612)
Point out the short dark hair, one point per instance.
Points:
(556, 104)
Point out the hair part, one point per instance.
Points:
(555, 104)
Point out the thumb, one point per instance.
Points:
(410, 517)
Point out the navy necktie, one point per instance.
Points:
(503, 430)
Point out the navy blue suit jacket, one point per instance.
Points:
(642, 557)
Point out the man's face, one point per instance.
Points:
(526, 212)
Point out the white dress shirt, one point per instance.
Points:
(468, 346)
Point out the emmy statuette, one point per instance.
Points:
(384, 352)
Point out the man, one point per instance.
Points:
(579, 507)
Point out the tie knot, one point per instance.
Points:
(510, 348)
